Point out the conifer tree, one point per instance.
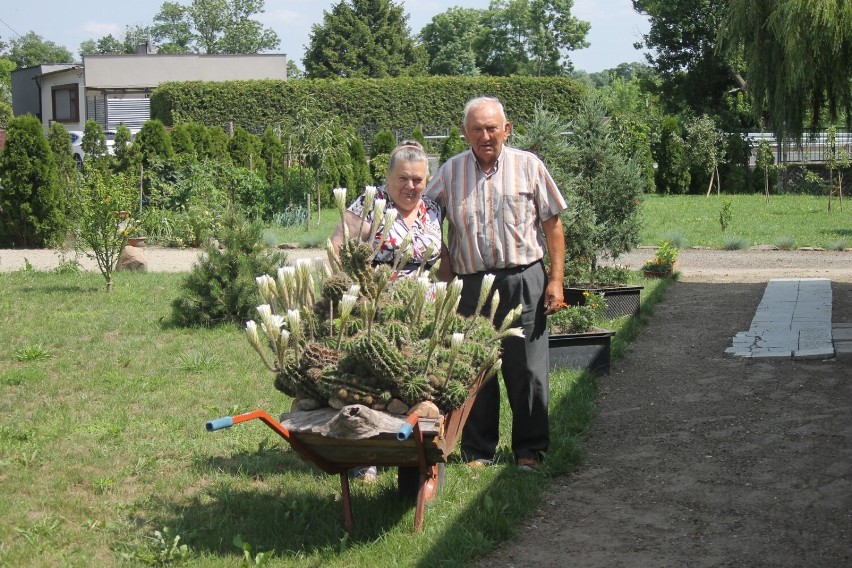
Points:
(453, 144)
(32, 203)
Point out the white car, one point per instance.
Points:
(77, 144)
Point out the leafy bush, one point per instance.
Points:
(102, 219)
(221, 288)
(578, 319)
(663, 260)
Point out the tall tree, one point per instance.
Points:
(682, 42)
(30, 50)
(530, 37)
(799, 55)
(363, 38)
(212, 26)
(32, 203)
(173, 29)
(450, 39)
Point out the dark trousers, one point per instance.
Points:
(525, 368)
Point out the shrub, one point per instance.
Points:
(672, 168)
(154, 142)
(383, 144)
(32, 202)
(103, 223)
(453, 144)
(734, 243)
(604, 185)
(126, 152)
(578, 319)
(786, 243)
(221, 288)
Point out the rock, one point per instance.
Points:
(132, 258)
(336, 403)
(425, 409)
(305, 404)
(396, 406)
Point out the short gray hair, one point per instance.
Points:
(408, 151)
(475, 102)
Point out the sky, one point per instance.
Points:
(614, 24)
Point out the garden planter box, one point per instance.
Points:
(620, 300)
(589, 350)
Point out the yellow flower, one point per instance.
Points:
(586, 293)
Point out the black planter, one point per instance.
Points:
(620, 300)
(589, 350)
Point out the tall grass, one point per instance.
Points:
(803, 218)
(104, 456)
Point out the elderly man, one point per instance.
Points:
(502, 208)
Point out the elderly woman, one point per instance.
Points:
(408, 172)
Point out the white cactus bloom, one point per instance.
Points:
(252, 335)
(340, 198)
(265, 311)
(347, 302)
(456, 341)
(369, 196)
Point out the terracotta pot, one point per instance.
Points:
(136, 241)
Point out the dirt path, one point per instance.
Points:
(700, 459)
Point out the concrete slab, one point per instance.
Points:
(793, 318)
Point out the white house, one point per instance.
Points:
(112, 89)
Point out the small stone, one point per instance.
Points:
(307, 403)
(336, 403)
(396, 406)
(425, 409)
(379, 405)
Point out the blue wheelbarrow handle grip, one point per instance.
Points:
(404, 432)
(220, 423)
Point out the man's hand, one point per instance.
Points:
(553, 297)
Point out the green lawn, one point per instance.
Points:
(102, 444)
(694, 219)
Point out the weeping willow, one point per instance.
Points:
(799, 59)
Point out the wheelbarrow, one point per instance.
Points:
(419, 448)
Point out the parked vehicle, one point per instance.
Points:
(77, 144)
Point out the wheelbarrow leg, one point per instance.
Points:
(347, 502)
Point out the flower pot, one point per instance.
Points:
(620, 300)
(661, 273)
(136, 241)
(589, 350)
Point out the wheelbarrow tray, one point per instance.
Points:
(439, 438)
(422, 452)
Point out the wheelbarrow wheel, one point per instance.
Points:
(408, 481)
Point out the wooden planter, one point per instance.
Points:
(620, 300)
(661, 273)
(589, 350)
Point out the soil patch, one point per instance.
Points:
(696, 458)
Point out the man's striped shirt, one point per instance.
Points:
(494, 218)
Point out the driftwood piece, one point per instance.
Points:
(355, 422)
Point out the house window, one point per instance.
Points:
(66, 107)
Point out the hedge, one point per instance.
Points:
(366, 104)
